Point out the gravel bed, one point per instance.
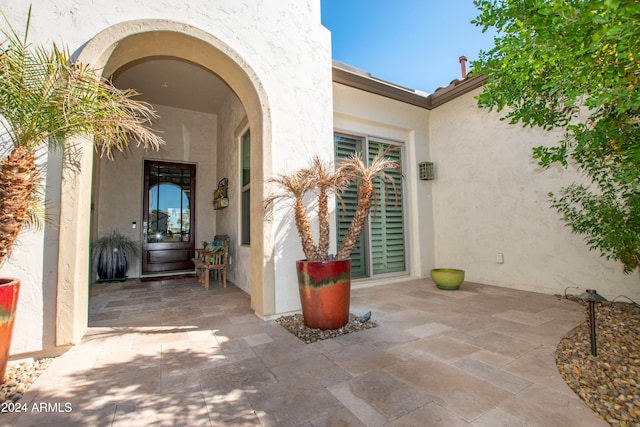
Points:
(20, 376)
(610, 382)
(295, 325)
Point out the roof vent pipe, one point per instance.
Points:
(463, 66)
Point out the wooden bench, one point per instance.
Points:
(214, 259)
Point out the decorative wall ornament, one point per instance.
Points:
(220, 195)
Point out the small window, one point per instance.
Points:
(245, 179)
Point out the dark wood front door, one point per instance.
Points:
(169, 216)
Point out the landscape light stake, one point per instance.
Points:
(592, 297)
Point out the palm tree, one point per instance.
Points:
(353, 166)
(46, 98)
(327, 181)
(321, 178)
(293, 187)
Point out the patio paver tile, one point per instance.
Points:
(495, 376)
(168, 352)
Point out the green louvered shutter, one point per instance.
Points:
(344, 147)
(387, 220)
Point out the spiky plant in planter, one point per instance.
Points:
(45, 99)
(111, 253)
(322, 276)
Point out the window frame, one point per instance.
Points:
(244, 213)
(367, 232)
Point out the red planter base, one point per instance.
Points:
(9, 289)
(325, 292)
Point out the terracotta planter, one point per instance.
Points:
(9, 289)
(325, 292)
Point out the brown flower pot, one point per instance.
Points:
(325, 292)
(9, 289)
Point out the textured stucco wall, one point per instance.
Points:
(34, 261)
(490, 197)
(232, 121)
(30, 315)
(284, 53)
(361, 113)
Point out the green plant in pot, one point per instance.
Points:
(111, 253)
(45, 99)
(324, 280)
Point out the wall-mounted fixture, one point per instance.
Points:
(426, 171)
(220, 198)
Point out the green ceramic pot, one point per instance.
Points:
(447, 278)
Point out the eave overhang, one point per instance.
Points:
(358, 79)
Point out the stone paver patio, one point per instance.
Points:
(168, 353)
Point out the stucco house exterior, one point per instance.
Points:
(276, 97)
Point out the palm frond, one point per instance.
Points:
(37, 216)
(45, 99)
(321, 178)
(327, 181)
(293, 187)
(354, 167)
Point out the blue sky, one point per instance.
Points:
(413, 43)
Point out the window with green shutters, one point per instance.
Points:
(345, 146)
(387, 220)
(381, 248)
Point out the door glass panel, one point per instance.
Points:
(169, 205)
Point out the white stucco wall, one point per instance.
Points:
(190, 137)
(490, 197)
(361, 113)
(30, 315)
(34, 261)
(284, 50)
(232, 121)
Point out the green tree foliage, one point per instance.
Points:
(574, 65)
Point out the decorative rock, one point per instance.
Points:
(609, 382)
(295, 325)
(19, 378)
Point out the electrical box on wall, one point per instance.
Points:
(426, 171)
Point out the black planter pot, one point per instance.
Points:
(117, 272)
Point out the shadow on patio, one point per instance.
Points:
(170, 353)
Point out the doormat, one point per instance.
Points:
(295, 325)
(170, 277)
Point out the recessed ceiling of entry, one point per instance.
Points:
(174, 83)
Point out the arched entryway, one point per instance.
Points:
(117, 48)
